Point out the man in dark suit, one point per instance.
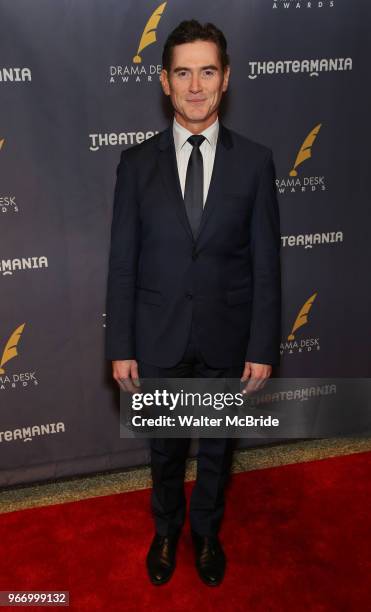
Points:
(194, 278)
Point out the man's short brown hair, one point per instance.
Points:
(190, 31)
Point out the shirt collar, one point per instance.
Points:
(181, 134)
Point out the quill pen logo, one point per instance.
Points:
(305, 151)
(302, 318)
(292, 345)
(149, 33)
(10, 350)
(138, 71)
(295, 182)
(18, 379)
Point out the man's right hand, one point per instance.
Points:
(125, 372)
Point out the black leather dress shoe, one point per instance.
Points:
(210, 559)
(161, 558)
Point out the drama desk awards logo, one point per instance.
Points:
(302, 4)
(296, 182)
(9, 352)
(293, 344)
(7, 202)
(139, 71)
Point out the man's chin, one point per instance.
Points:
(197, 117)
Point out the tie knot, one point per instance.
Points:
(196, 140)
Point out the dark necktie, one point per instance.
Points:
(194, 184)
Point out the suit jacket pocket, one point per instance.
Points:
(149, 296)
(239, 296)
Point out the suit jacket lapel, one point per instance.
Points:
(170, 175)
(217, 177)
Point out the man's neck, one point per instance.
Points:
(196, 127)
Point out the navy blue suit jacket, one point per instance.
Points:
(227, 280)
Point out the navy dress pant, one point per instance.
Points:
(168, 458)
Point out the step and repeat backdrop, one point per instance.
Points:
(79, 82)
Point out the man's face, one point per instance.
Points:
(195, 82)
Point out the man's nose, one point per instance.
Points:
(195, 84)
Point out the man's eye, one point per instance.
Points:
(182, 74)
(208, 73)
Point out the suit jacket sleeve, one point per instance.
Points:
(120, 299)
(265, 242)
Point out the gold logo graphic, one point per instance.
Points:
(302, 317)
(10, 349)
(149, 32)
(306, 149)
(2, 140)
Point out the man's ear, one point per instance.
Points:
(165, 82)
(227, 72)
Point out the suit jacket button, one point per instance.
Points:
(194, 255)
(189, 296)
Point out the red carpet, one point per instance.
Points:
(296, 537)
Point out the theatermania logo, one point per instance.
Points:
(309, 241)
(138, 71)
(296, 181)
(10, 266)
(121, 139)
(28, 433)
(304, 4)
(312, 67)
(9, 352)
(15, 75)
(294, 344)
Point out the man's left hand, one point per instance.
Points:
(256, 374)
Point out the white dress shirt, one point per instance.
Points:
(183, 150)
